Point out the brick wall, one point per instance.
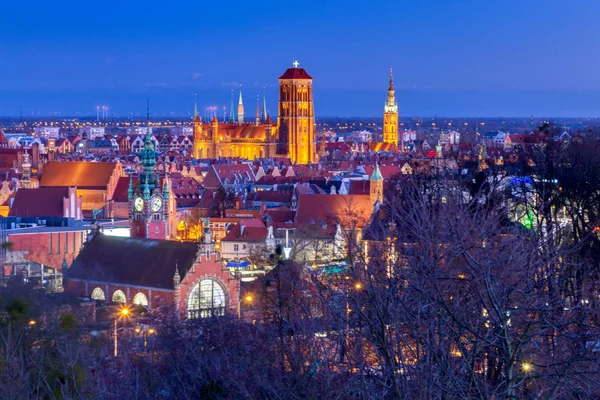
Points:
(48, 248)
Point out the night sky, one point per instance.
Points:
(450, 57)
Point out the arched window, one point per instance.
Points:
(140, 299)
(119, 297)
(206, 299)
(98, 294)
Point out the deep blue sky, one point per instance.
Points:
(450, 57)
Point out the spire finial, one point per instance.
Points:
(240, 100)
(264, 113)
(295, 63)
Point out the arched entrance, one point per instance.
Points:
(206, 299)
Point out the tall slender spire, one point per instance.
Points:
(391, 103)
(232, 110)
(264, 112)
(257, 117)
(148, 155)
(195, 106)
(147, 117)
(240, 110)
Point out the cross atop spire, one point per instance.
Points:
(295, 63)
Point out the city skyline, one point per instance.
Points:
(460, 59)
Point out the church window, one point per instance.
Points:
(98, 294)
(140, 299)
(206, 299)
(119, 297)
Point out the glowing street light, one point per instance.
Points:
(145, 333)
(358, 286)
(247, 299)
(123, 312)
(526, 367)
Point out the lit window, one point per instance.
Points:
(119, 297)
(236, 247)
(140, 299)
(206, 299)
(98, 294)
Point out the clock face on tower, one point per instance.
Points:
(138, 204)
(156, 204)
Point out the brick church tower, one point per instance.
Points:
(148, 202)
(296, 116)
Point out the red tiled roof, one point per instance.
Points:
(387, 171)
(350, 210)
(78, 173)
(233, 171)
(207, 199)
(282, 196)
(382, 146)
(40, 202)
(360, 187)
(121, 193)
(251, 230)
(343, 147)
(8, 157)
(279, 215)
(186, 197)
(295, 73)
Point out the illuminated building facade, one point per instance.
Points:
(292, 136)
(390, 115)
(296, 116)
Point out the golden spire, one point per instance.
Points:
(391, 106)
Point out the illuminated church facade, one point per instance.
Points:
(390, 115)
(293, 135)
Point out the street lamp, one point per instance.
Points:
(123, 312)
(527, 367)
(145, 334)
(287, 249)
(246, 298)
